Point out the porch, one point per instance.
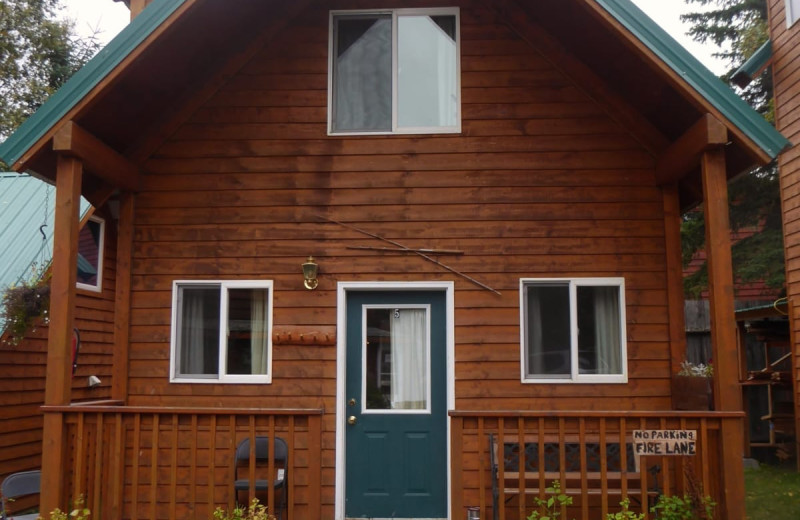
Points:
(178, 463)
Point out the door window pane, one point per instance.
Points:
(396, 359)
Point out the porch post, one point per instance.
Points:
(727, 392)
(58, 384)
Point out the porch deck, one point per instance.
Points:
(178, 463)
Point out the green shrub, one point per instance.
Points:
(683, 508)
(254, 511)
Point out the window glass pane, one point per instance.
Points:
(397, 359)
(792, 11)
(362, 74)
(89, 253)
(548, 330)
(247, 331)
(198, 333)
(599, 330)
(427, 77)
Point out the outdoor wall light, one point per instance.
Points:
(310, 269)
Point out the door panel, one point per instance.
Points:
(396, 381)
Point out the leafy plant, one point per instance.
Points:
(255, 511)
(691, 370)
(551, 506)
(79, 512)
(625, 513)
(683, 508)
(23, 303)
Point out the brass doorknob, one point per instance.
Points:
(351, 420)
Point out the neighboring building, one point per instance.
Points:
(476, 181)
(785, 44)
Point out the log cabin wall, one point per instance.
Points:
(542, 182)
(23, 367)
(786, 78)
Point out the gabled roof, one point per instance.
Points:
(175, 44)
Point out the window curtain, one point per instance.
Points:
(193, 334)
(607, 330)
(408, 333)
(258, 334)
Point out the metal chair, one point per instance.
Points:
(19, 485)
(280, 457)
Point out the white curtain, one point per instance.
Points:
(409, 359)
(607, 330)
(258, 335)
(193, 334)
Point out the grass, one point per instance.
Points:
(772, 493)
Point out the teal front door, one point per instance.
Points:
(395, 387)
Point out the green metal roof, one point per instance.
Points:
(720, 95)
(639, 24)
(80, 84)
(753, 65)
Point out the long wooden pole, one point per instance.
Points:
(58, 385)
(727, 391)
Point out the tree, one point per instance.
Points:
(739, 28)
(39, 51)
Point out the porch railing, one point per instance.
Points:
(501, 460)
(178, 463)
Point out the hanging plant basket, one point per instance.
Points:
(22, 306)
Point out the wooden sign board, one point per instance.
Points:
(664, 442)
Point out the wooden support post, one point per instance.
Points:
(675, 297)
(58, 385)
(122, 302)
(727, 391)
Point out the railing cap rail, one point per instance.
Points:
(598, 413)
(100, 407)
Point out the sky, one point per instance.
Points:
(108, 18)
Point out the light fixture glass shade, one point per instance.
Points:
(310, 270)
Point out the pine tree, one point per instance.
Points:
(739, 28)
(39, 51)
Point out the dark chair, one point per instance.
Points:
(281, 458)
(19, 485)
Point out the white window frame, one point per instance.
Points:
(222, 347)
(575, 376)
(446, 11)
(98, 287)
(792, 12)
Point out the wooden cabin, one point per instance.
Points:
(785, 61)
(468, 184)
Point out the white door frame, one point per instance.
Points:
(341, 349)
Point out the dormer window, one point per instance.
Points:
(394, 72)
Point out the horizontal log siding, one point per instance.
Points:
(22, 369)
(541, 182)
(786, 77)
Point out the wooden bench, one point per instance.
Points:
(582, 472)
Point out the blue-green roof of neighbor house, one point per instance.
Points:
(716, 93)
(754, 64)
(26, 227)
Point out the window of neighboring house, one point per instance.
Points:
(792, 12)
(221, 332)
(90, 254)
(394, 71)
(573, 330)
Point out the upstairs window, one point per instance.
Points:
(221, 332)
(792, 12)
(573, 330)
(394, 72)
(90, 255)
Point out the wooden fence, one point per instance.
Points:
(178, 463)
(502, 461)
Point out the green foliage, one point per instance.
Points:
(23, 303)
(79, 512)
(255, 511)
(38, 53)
(683, 508)
(550, 507)
(625, 513)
